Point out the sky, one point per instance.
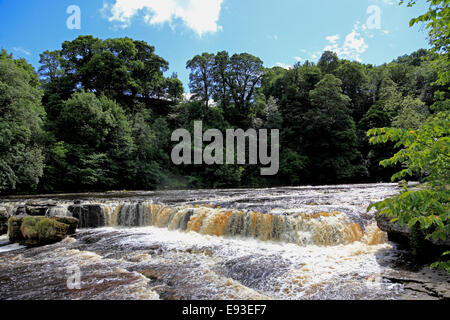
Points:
(280, 32)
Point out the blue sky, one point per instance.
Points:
(280, 32)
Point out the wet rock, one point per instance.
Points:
(402, 234)
(38, 231)
(35, 231)
(71, 222)
(395, 232)
(425, 284)
(39, 208)
(14, 233)
(151, 274)
(36, 210)
(3, 221)
(21, 211)
(255, 271)
(89, 216)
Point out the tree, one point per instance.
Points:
(122, 69)
(201, 80)
(412, 115)
(244, 76)
(425, 152)
(97, 136)
(354, 85)
(328, 62)
(330, 135)
(150, 157)
(21, 121)
(147, 70)
(437, 20)
(231, 81)
(274, 119)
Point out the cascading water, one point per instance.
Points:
(317, 228)
(282, 243)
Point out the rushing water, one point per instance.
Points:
(283, 243)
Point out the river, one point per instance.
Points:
(310, 243)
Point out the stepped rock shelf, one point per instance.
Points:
(283, 243)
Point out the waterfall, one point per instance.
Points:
(323, 228)
(325, 216)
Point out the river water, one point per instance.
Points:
(280, 243)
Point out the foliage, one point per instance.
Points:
(424, 144)
(21, 120)
(437, 21)
(424, 152)
(110, 111)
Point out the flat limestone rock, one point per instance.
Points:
(426, 284)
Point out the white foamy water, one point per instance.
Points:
(281, 243)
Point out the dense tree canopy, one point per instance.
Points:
(101, 114)
(21, 121)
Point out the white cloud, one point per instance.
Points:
(21, 50)
(333, 39)
(353, 47)
(202, 16)
(283, 65)
(298, 59)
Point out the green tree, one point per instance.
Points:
(274, 120)
(328, 62)
(330, 135)
(21, 121)
(120, 68)
(150, 157)
(412, 115)
(437, 21)
(424, 152)
(97, 137)
(201, 80)
(354, 85)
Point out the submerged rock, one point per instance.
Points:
(3, 221)
(36, 231)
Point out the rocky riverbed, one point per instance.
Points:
(281, 243)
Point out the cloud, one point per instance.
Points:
(283, 65)
(353, 47)
(298, 59)
(21, 50)
(333, 39)
(201, 16)
(386, 2)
